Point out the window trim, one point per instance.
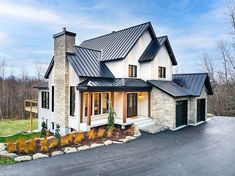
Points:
(132, 71)
(72, 98)
(161, 72)
(45, 100)
(52, 98)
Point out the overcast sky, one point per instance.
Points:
(26, 27)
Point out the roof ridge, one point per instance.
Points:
(87, 48)
(190, 73)
(185, 90)
(117, 31)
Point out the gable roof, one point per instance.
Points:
(42, 86)
(154, 47)
(118, 84)
(117, 45)
(86, 63)
(183, 85)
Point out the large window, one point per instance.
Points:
(45, 100)
(105, 103)
(97, 103)
(72, 100)
(132, 71)
(52, 98)
(162, 72)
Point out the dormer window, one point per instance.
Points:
(162, 72)
(132, 71)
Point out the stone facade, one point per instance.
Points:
(65, 42)
(163, 108)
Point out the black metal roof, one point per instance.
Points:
(43, 86)
(117, 84)
(193, 82)
(117, 45)
(184, 85)
(86, 63)
(46, 76)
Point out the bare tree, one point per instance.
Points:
(40, 68)
(231, 14)
(2, 77)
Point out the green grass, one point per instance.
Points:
(10, 127)
(5, 161)
(24, 136)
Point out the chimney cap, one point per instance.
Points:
(64, 32)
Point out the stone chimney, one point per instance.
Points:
(63, 42)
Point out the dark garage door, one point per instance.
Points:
(201, 105)
(181, 113)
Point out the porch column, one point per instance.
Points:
(89, 109)
(124, 107)
(112, 99)
(81, 107)
(149, 103)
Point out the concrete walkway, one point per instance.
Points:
(205, 150)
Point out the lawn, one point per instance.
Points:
(10, 127)
(5, 161)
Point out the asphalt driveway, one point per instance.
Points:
(208, 149)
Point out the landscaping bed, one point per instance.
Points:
(22, 150)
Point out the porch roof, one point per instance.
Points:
(117, 84)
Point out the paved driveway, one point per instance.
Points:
(208, 149)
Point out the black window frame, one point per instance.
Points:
(132, 71)
(161, 72)
(52, 98)
(72, 100)
(45, 100)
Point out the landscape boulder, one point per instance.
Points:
(84, 147)
(108, 142)
(23, 158)
(39, 155)
(96, 145)
(137, 132)
(70, 150)
(57, 153)
(2, 147)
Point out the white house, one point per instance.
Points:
(131, 68)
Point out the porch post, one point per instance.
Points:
(149, 103)
(81, 107)
(112, 99)
(124, 107)
(89, 109)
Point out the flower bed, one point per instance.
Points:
(39, 147)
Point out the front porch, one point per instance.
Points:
(131, 103)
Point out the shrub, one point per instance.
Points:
(53, 143)
(111, 116)
(110, 132)
(44, 129)
(57, 131)
(44, 145)
(65, 140)
(31, 145)
(91, 134)
(78, 138)
(100, 133)
(11, 147)
(22, 146)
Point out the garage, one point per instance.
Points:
(201, 106)
(181, 113)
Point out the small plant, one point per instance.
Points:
(31, 145)
(65, 140)
(111, 116)
(11, 147)
(44, 145)
(22, 146)
(110, 132)
(44, 129)
(53, 143)
(78, 138)
(91, 134)
(57, 131)
(100, 133)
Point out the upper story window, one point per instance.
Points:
(72, 100)
(45, 100)
(132, 71)
(162, 72)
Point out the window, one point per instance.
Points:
(72, 100)
(132, 71)
(162, 72)
(52, 98)
(97, 103)
(52, 125)
(105, 102)
(45, 100)
(85, 104)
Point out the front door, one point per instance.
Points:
(201, 113)
(132, 104)
(181, 112)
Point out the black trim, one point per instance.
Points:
(72, 100)
(52, 98)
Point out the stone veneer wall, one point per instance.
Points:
(163, 108)
(62, 44)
